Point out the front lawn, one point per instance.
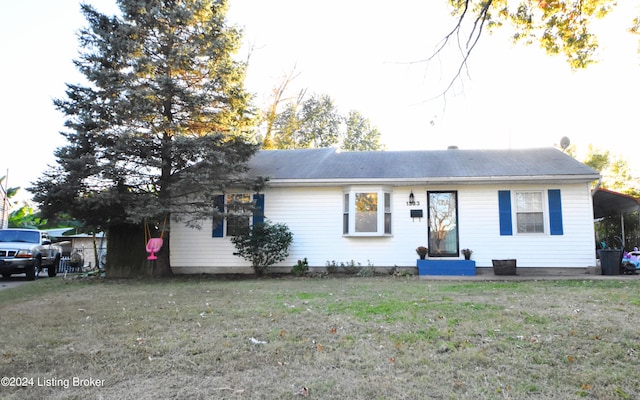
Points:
(341, 338)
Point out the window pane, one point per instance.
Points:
(529, 202)
(387, 213)
(530, 223)
(345, 215)
(239, 213)
(529, 212)
(443, 223)
(238, 198)
(387, 223)
(366, 212)
(237, 225)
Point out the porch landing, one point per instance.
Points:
(446, 267)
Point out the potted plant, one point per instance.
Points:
(422, 252)
(467, 253)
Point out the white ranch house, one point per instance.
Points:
(533, 205)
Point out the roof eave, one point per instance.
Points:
(466, 180)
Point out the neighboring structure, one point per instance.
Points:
(376, 208)
(83, 245)
(608, 203)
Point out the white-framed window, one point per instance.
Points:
(239, 213)
(366, 212)
(529, 212)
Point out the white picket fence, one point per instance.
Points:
(65, 266)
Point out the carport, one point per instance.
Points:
(607, 203)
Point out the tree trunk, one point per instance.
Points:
(127, 256)
(95, 251)
(162, 266)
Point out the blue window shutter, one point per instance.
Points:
(555, 213)
(218, 226)
(258, 212)
(504, 207)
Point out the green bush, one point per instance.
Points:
(264, 245)
(301, 268)
(350, 268)
(332, 267)
(368, 271)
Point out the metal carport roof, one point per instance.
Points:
(608, 203)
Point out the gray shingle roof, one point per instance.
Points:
(327, 165)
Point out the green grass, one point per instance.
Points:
(356, 338)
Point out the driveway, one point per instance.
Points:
(17, 280)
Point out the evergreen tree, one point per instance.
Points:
(162, 124)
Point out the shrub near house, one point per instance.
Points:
(264, 245)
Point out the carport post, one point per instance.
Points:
(622, 225)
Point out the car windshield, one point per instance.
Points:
(20, 236)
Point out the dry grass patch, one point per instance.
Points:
(356, 338)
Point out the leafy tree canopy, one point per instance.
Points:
(316, 122)
(360, 134)
(18, 214)
(561, 27)
(615, 171)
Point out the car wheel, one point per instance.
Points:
(34, 270)
(52, 270)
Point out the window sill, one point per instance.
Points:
(367, 235)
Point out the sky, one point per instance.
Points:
(365, 55)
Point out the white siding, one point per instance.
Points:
(480, 231)
(314, 216)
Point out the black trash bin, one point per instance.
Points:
(610, 261)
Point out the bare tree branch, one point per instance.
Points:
(272, 110)
(471, 40)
